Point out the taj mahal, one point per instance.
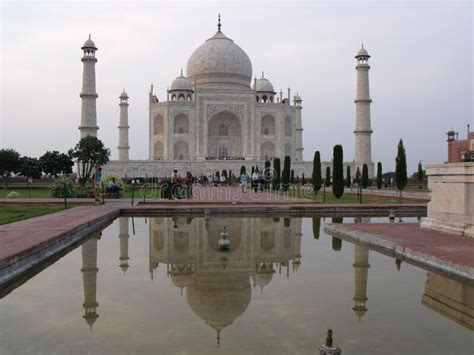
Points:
(217, 117)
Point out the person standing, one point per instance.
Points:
(243, 182)
(96, 180)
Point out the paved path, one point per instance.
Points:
(22, 242)
(432, 249)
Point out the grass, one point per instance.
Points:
(330, 198)
(14, 213)
(38, 192)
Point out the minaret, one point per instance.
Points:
(123, 237)
(88, 95)
(363, 132)
(89, 277)
(361, 268)
(123, 127)
(299, 127)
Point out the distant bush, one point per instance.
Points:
(13, 194)
(106, 179)
(60, 185)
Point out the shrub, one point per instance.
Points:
(13, 194)
(106, 179)
(58, 186)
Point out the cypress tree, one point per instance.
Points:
(365, 176)
(401, 177)
(348, 176)
(224, 174)
(338, 172)
(292, 177)
(286, 173)
(253, 170)
(267, 173)
(316, 227)
(316, 177)
(357, 177)
(276, 174)
(420, 174)
(328, 177)
(243, 170)
(303, 180)
(379, 175)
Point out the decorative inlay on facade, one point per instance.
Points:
(239, 109)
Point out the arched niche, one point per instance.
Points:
(268, 125)
(158, 150)
(267, 150)
(224, 132)
(181, 123)
(181, 150)
(158, 124)
(288, 127)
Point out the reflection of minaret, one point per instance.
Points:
(89, 277)
(296, 244)
(123, 236)
(361, 267)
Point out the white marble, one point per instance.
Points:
(451, 208)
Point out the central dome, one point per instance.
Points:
(219, 61)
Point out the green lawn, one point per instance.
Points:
(13, 213)
(330, 198)
(39, 192)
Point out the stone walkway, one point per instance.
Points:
(431, 249)
(24, 243)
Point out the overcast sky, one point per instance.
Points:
(420, 81)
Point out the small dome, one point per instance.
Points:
(263, 84)
(297, 97)
(89, 44)
(362, 53)
(181, 83)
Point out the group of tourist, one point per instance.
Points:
(96, 182)
(257, 180)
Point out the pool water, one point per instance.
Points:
(162, 286)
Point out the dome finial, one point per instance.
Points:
(181, 71)
(263, 74)
(219, 22)
(89, 36)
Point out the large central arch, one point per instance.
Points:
(224, 135)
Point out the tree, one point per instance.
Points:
(267, 173)
(420, 174)
(328, 177)
(379, 176)
(316, 227)
(9, 163)
(286, 173)
(55, 163)
(243, 170)
(292, 177)
(88, 153)
(303, 179)
(276, 174)
(357, 177)
(348, 176)
(224, 174)
(338, 171)
(364, 181)
(401, 177)
(316, 177)
(253, 170)
(30, 167)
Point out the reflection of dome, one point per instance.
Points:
(263, 280)
(181, 83)
(220, 61)
(219, 299)
(181, 280)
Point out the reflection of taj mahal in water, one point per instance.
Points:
(218, 285)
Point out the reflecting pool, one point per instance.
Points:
(162, 285)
